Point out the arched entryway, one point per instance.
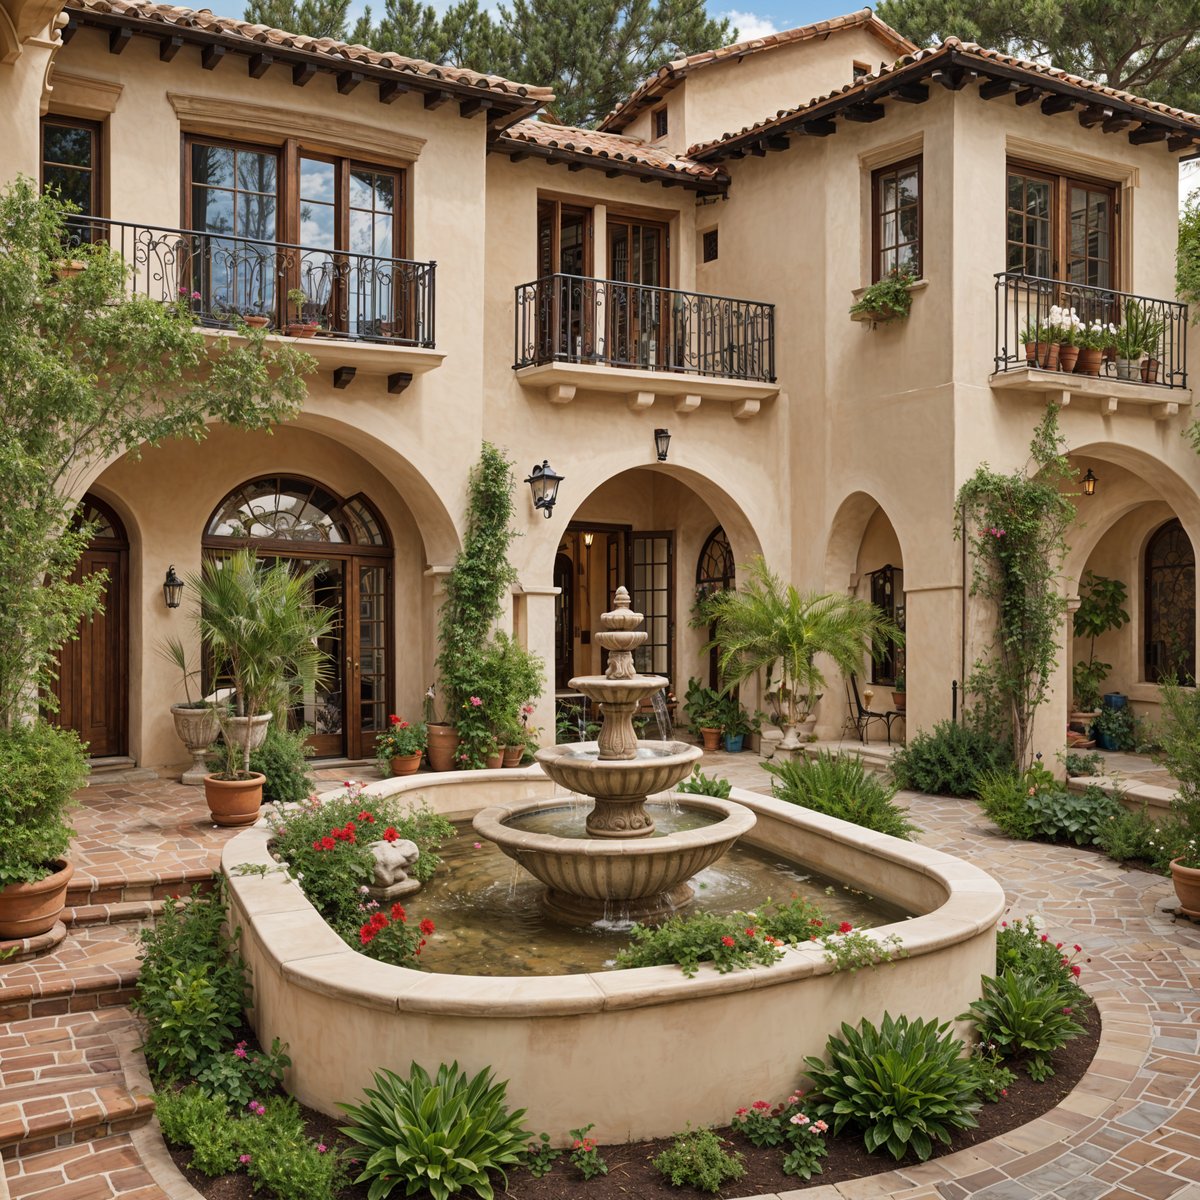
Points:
(1169, 574)
(93, 673)
(297, 520)
(715, 572)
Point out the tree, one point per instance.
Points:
(315, 18)
(1149, 47)
(89, 373)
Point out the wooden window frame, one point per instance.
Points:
(1060, 221)
(96, 129)
(705, 246)
(659, 123)
(877, 247)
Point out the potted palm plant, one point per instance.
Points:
(262, 629)
(767, 624)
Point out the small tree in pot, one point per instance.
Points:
(1101, 602)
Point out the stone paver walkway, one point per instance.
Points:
(73, 1110)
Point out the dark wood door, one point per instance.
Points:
(93, 688)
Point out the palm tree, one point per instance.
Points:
(262, 629)
(767, 624)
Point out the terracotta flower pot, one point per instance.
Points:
(712, 738)
(1068, 356)
(494, 762)
(406, 764)
(442, 746)
(27, 909)
(257, 322)
(1187, 888)
(301, 331)
(898, 700)
(513, 755)
(1089, 361)
(1150, 370)
(233, 802)
(1042, 354)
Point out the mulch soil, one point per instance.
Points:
(631, 1175)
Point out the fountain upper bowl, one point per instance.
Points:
(658, 767)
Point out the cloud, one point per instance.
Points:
(750, 26)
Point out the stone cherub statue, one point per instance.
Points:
(392, 861)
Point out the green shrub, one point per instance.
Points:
(283, 1159)
(1002, 795)
(1133, 835)
(41, 768)
(1082, 764)
(949, 760)
(1071, 816)
(443, 1134)
(192, 1118)
(992, 1077)
(904, 1085)
(1022, 1014)
(239, 1075)
(191, 986)
(1024, 950)
(695, 1159)
(283, 759)
(838, 785)
(538, 1158)
(699, 784)
(765, 1125)
(585, 1156)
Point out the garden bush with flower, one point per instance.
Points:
(401, 739)
(785, 1124)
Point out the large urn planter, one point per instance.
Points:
(234, 802)
(441, 747)
(29, 909)
(196, 726)
(406, 764)
(240, 729)
(1187, 888)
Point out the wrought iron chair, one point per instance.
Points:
(862, 717)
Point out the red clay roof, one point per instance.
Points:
(612, 147)
(263, 36)
(665, 78)
(951, 46)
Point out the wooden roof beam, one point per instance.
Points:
(911, 93)
(119, 38)
(1029, 95)
(471, 108)
(955, 78)
(302, 73)
(1145, 134)
(1057, 104)
(168, 47)
(993, 89)
(389, 89)
(865, 113)
(819, 128)
(347, 81)
(1093, 115)
(259, 64)
(1181, 141)
(437, 99)
(1117, 123)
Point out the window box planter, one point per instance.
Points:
(883, 314)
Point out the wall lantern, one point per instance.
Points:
(588, 539)
(662, 440)
(1089, 483)
(172, 588)
(543, 483)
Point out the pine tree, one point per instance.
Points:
(315, 18)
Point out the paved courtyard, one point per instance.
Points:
(76, 1122)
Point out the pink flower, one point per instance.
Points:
(476, 702)
(820, 1126)
(240, 1050)
(760, 1106)
(799, 1119)
(243, 1159)
(478, 845)
(321, 1148)
(741, 1112)
(1004, 1091)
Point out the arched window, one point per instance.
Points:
(1170, 652)
(280, 509)
(715, 572)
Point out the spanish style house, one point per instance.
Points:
(478, 272)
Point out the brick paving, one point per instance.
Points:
(73, 1106)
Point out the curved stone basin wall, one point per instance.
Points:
(639, 1052)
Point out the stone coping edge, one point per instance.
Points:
(306, 951)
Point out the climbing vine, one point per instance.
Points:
(1015, 527)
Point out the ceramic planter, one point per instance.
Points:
(712, 738)
(442, 746)
(899, 698)
(1187, 888)
(1150, 370)
(734, 743)
(1129, 369)
(239, 729)
(406, 764)
(257, 322)
(513, 755)
(234, 802)
(494, 762)
(1042, 354)
(301, 331)
(1089, 361)
(28, 909)
(197, 727)
(1068, 356)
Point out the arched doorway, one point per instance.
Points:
(564, 621)
(93, 670)
(1170, 606)
(296, 520)
(715, 572)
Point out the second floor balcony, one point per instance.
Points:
(574, 331)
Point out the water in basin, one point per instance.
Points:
(489, 920)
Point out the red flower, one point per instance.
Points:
(1075, 970)
(390, 834)
(395, 720)
(403, 724)
(327, 843)
(727, 941)
(845, 927)
(398, 913)
(378, 920)
(317, 844)
(427, 926)
(817, 923)
(760, 1106)
(750, 931)
(366, 816)
(1045, 937)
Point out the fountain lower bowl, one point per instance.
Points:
(625, 879)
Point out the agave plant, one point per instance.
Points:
(767, 624)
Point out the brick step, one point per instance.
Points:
(61, 1081)
(102, 1169)
(93, 891)
(140, 912)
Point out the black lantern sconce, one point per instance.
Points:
(662, 441)
(1089, 483)
(172, 588)
(543, 483)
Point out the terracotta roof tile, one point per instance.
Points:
(263, 35)
(969, 49)
(668, 76)
(611, 146)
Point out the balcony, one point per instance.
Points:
(578, 333)
(360, 313)
(1151, 381)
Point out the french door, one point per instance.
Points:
(637, 315)
(566, 304)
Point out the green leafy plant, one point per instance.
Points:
(1023, 949)
(1077, 764)
(41, 768)
(1139, 332)
(703, 707)
(948, 760)
(1003, 795)
(1180, 734)
(585, 1157)
(727, 943)
(887, 300)
(1117, 725)
(282, 1159)
(905, 1085)
(785, 1124)
(1101, 609)
(539, 1156)
(240, 1074)
(192, 1117)
(1134, 836)
(283, 759)
(696, 1159)
(443, 1134)
(992, 1077)
(849, 949)
(699, 784)
(839, 785)
(1071, 816)
(1024, 1015)
(401, 739)
(389, 937)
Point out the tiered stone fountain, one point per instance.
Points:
(622, 871)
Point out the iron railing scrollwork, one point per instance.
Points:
(578, 319)
(220, 276)
(1024, 305)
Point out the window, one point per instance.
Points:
(896, 219)
(660, 123)
(715, 572)
(1060, 227)
(709, 244)
(861, 70)
(1170, 567)
(71, 162)
(652, 594)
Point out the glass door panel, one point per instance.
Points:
(652, 594)
(318, 267)
(636, 258)
(379, 297)
(1089, 238)
(368, 711)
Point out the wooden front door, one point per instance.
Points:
(93, 673)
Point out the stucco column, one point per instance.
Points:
(1050, 721)
(932, 653)
(533, 628)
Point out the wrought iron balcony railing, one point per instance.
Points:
(1149, 344)
(576, 319)
(363, 297)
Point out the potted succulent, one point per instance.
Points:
(41, 768)
(401, 745)
(887, 300)
(735, 724)
(197, 722)
(1179, 732)
(304, 327)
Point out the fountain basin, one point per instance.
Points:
(639, 1052)
(622, 879)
